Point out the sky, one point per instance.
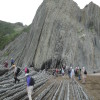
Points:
(83, 3)
(24, 10)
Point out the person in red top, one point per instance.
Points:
(6, 64)
(56, 72)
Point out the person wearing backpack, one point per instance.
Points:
(16, 72)
(84, 73)
(30, 84)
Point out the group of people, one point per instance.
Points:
(78, 72)
(81, 74)
(58, 71)
(16, 70)
(29, 80)
(6, 63)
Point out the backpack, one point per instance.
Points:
(27, 70)
(32, 81)
(18, 70)
(85, 72)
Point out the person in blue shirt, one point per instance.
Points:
(12, 61)
(29, 86)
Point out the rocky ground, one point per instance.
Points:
(92, 86)
(47, 87)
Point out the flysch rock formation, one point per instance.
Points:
(61, 33)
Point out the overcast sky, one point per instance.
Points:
(24, 10)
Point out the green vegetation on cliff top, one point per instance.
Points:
(9, 31)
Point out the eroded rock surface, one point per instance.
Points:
(60, 31)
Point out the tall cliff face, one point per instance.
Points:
(63, 33)
(52, 25)
(91, 17)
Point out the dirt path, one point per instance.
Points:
(92, 86)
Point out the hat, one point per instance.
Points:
(14, 66)
(83, 67)
(26, 74)
(71, 67)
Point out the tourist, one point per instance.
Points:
(84, 73)
(62, 71)
(72, 74)
(56, 72)
(30, 83)
(16, 72)
(69, 72)
(6, 64)
(76, 71)
(79, 73)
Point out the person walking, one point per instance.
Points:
(30, 84)
(6, 64)
(16, 71)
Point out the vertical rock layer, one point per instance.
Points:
(61, 31)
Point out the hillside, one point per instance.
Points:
(9, 31)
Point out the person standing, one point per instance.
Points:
(79, 73)
(30, 83)
(62, 71)
(56, 72)
(69, 72)
(84, 73)
(72, 74)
